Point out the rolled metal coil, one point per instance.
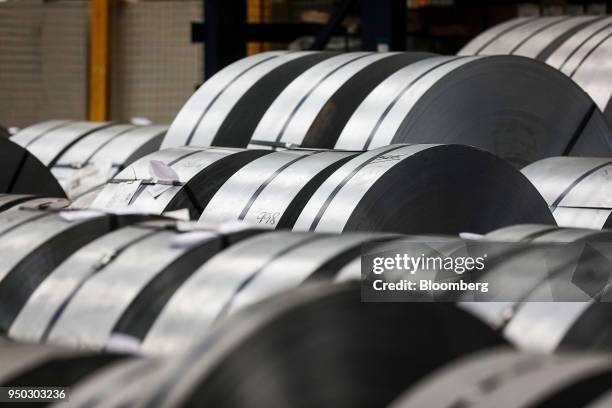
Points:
(577, 46)
(418, 189)
(35, 242)
(271, 191)
(505, 378)
(48, 141)
(581, 321)
(320, 329)
(312, 110)
(22, 173)
(577, 189)
(104, 289)
(499, 103)
(100, 155)
(225, 109)
(191, 176)
(246, 273)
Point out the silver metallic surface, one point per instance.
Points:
(208, 120)
(331, 206)
(200, 102)
(379, 116)
(46, 301)
(290, 116)
(263, 190)
(30, 134)
(511, 41)
(486, 37)
(52, 145)
(578, 189)
(88, 320)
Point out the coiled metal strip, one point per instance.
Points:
(576, 189)
(116, 295)
(302, 113)
(200, 172)
(349, 198)
(191, 114)
(246, 273)
(33, 246)
(270, 191)
(53, 144)
(259, 83)
(32, 133)
(313, 324)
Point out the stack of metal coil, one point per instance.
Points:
(219, 263)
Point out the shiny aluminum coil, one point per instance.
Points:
(506, 105)
(227, 107)
(545, 326)
(505, 378)
(418, 189)
(22, 173)
(578, 190)
(312, 110)
(99, 156)
(48, 141)
(117, 284)
(29, 365)
(316, 346)
(173, 179)
(271, 191)
(528, 36)
(579, 47)
(246, 273)
(33, 243)
(361, 100)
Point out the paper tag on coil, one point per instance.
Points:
(159, 170)
(156, 190)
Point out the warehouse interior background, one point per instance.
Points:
(150, 55)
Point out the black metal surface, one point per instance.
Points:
(509, 379)
(423, 189)
(323, 331)
(22, 173)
